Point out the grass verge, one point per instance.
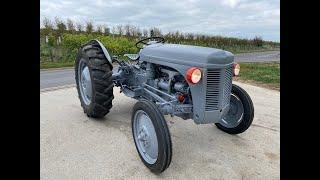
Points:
(61, 64)
(265, 74)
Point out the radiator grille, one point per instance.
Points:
(213, 84)
(227, 87)
(219, 83)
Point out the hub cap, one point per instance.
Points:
(145, 137)
(235, 114)
(85, 83)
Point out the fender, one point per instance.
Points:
(105, 51)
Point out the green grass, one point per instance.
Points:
(266, 74)
(60, 64)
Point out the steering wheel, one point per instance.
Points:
(157, 39)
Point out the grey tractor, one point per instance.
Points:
(190, 82)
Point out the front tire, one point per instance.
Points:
(241, 112)
(151, 136)
(93, 76)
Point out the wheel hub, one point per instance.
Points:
(85, 83)
(235, 114)
(145, 137)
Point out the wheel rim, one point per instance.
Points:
(85, 83)
(235, 114)
(145, 137)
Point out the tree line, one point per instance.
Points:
(57, 27)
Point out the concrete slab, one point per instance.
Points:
(73, 146)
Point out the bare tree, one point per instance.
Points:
(155, 32)
(70, 25)
(61, 27)
(120, 30)
(79, 27)
(99, 29)
(176, 35)
(145, 32)
(133, 31)
(127, 30)
(113, 30)
(106, 30)
(48, 26)
(47, 23)
(89, 27)
(139, 33)
(257, 41)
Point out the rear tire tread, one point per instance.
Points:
(102, 84)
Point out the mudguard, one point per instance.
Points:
(105, 51)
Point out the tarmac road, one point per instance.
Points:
(73, 146)
(258, 56)
(65, 77)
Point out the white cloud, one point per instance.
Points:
(239, 18)
(231, 3)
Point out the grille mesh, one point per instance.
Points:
(213, 84)
(219, 83)
(227, 87)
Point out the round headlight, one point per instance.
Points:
(236, 69)
(194, 75)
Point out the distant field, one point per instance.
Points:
(265, 74)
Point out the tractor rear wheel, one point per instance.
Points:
(93, 76)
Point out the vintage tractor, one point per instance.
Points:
(190, 82)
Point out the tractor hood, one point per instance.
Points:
(185, 55)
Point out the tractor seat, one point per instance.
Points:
(132, 57)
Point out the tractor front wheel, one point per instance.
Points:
(240, 114)
(151, 136)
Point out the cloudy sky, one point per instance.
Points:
(233, 18)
